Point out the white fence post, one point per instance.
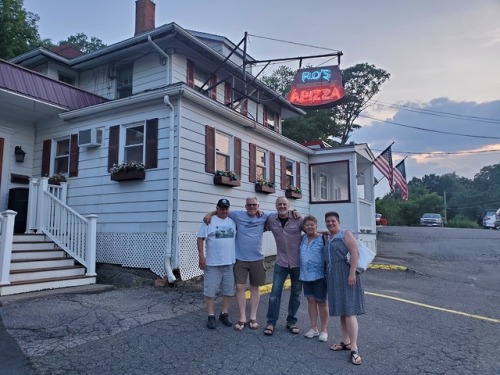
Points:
(91, 244)
(6, 239)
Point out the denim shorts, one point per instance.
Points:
(218, 276)
(316, 289)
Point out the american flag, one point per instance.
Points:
(400, 179)
(383, 162)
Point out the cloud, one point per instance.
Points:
(424, 148)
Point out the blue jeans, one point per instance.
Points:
(279, 277)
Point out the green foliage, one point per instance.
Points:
(332, 125)
(18, 29)
(82, 42)
(465, 198)
(460, 221)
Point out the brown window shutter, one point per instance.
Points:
(228, 93)
(190, 73)
(74, 156)
(237, 156)
(283, 172)
(272, 167)
(264, 114)
(114, 144)
(244, 107)
(277, 128)
(297, 174)
(152, 143)
(209, 149)
(252, 163)
(47, 145)
(213, 90)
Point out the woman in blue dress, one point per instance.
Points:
(345, 292)
(312, 275)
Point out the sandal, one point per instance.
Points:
(355, 357)
(269, 330)
(339, 347)
(239, 326)
(293, 329)
(253, 324)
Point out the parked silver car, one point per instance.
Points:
(431, 220)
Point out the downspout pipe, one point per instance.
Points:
(170, 197)
(164, 54)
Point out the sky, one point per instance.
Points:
(441, 107)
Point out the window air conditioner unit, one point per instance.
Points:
(90, 138)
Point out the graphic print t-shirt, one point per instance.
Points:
(219, 236)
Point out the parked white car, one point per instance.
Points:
(489, 217)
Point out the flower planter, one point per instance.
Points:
(292, 194)
(52, 182)
(264, 189)
(225, 181)
(128, 175)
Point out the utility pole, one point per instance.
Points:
(445, 209)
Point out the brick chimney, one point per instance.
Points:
(144, 16)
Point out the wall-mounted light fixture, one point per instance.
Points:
(19, 154)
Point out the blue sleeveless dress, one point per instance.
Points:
(342, 299)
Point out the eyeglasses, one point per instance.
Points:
(252, 205)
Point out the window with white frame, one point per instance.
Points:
(133, 148)
(61, 159)
(222, 151)
(200, 77)
(332, 182)
(261, 164)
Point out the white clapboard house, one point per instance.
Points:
(177, 101)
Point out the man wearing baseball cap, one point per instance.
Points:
(217, 261)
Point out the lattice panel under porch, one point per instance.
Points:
(137, 250)
(188, 256)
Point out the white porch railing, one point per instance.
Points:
(6, 236)
(49, 214)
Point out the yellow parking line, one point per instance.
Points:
(435, 307)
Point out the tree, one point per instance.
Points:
(361, 82)
(82, 42)
(18, 29)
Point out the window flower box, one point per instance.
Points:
(264, 186)
(56, 179)
(128, 171)
(264, 189)
(226, 181)
(128, 175)
(293, 192)
(226, 178)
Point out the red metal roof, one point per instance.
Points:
(37, 86)
(67, 50)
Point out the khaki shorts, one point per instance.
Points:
(255, 270)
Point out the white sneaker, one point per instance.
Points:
(311, 333)
(323, 336)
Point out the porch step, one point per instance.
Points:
(45, 273)
(17, 287)
(38, 264)
(19, 264)
(37, 254)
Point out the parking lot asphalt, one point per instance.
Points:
(133, 327)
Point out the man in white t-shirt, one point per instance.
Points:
(218, 261)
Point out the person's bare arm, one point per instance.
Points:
(208, 217)
(201, 255)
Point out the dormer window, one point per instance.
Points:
(271, 119)
(197, 77)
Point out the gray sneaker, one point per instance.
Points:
(211, 322)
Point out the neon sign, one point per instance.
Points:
(316, 87)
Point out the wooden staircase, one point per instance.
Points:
(37, 264)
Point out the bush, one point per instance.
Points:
(461, 221)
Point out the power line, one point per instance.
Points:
(440, 153)
(295, 43)
(439, 113)
(429, 130)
